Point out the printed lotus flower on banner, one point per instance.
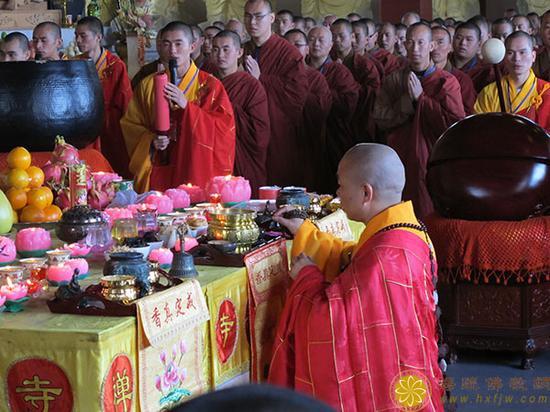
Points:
(170, 382)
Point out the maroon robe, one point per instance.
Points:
(313, 130)
(467, 89)
(412, 129)
(542, 64)
(283, 76)
(390, 62)
(249, 103)
(481, 73)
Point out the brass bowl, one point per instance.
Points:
(231, 216)
(119, 288)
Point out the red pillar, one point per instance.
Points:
(392, 10)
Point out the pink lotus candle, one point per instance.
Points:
(7, 250)
(77, 249)
(59, 273)
(102, 179)
(189, 243)
(162, 256)
(2, 300)
(163, 203)
(180, 198)
(33, 241)
(13, 291)
(79, 264)
(231, 188)
(196, 194)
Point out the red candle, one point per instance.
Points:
(269, 192)
(196, 194)
(162, 108)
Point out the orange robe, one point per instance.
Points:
(204, 132)
(412, 128)
(350, 343)
(117, 93)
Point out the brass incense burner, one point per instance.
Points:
(119, 288)
(234, 225)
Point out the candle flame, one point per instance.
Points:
(189, 185)
(228, 177)
(9, 282)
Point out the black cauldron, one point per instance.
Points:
(492, 166)
(39, 100)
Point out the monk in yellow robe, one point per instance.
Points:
(201, 142)
(524, 94)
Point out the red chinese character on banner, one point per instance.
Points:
(38, 384)
(179, 307)
(190, 301)
(118, 385)
(156, 317)
(226, 330)
(167, 313)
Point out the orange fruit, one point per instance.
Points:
(48, 193)
(37, 198)
(37, 176)
(52, 213)
(17, 198)
(32, 214)
(19, 158)
(18, 178)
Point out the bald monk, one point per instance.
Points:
(284, 21)
(14, 48)
(440, 56)
(47, 41)
(316, 110)
(414, 107)
(347, 342)
(381, 46)
(117, 90)
(409, 18)
(522, 23)
(361, 43)
(236, 26)
(524, 94)
(202, 136)
(542, 64)
(501, 28)
(345, 97)
(279, 67)
(249, 103)
(207, 64)
(466, 44)
(400, 33)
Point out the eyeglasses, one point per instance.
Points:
(256, 17)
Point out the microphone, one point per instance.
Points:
(173, 68)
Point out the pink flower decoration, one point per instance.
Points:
(183, 347)
(183, 375)
(163, 203)
(231, 188)
(163, 357)
(180, 198)
(33, 238)
(171, 376)
(162, 256)
(196, 194)
(158, 383)
(77, 249)
(79, 264)
(7, 250)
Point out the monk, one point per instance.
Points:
(313, 140)
(207, 65)
(440, 55)
(466, 44)
(484, 29)
(542, 64)
(409, 18)
(15, 48)
(386, 39)
(346, 93)
(353, 17)
(236, 26)
(47, 40)
(400, 33)
(310, 23)
(414, 107)
(249, 103)
(198, 41)
(522, 23)
(117, 90)
(352, 341)
(279, 67)
(361, 43)
(524, 94)
(501, 28)
(299, 23)
(284, 21)
(202, 136)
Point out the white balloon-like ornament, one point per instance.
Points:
(493, 51)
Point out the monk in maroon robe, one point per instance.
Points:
(357, 342)
(360, 42)
(542, 64)
(279, 67)
(249, 103)
(385, 53)
(415, 106)
(313, 134)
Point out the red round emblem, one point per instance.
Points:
(118, 386)
(227, 327)
(38, 384)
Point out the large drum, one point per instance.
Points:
(41, 100)
(493, 166)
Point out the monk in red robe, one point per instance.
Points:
(249, 103)
(414, 107)
(358, 342)
(440, 57)
(345, 96)
(524, 93)
(386, 39)
(542, 64)
(279, 67)
(117, 91)
(360, 43)
(201, 141)
(314, 126)
(466, 44)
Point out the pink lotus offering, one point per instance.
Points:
(7, 250)
(77, 249)
(57, 274)
(2, 301)
(114, 213)
(102, 179)
(196, 193)
(189, 243)
(180, 198)
(163, 203)
(162, 256)
(231, 188)
(33, 242)
(13, 291)
(81, 265)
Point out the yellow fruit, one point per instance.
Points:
(48, 193)
(18, 178)
(17, 198)
(19, 158)
(6, 214)
(52, 213)
(4, 179)
(15, 217)
(37, 176)
(32, 214)
(37, 198)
